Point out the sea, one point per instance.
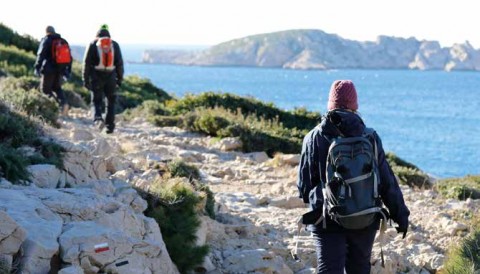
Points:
(428, 118)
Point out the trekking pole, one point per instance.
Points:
(294, 252)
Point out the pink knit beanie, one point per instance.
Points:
(342, 95)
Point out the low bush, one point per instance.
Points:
(464, 258)
(13, 165)
(179, 168)
(257, 134)
(459, 188)
(10, 37)
(150, 109)
(408, 173)
(173, 205)
(136, 90)
(16, 132)
(298, 118)
(15, 61)
(33, 103)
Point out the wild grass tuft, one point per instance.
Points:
(464, 258)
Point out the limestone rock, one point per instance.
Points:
(73, 269)
(11, 235)
(229, 144)
(41, 225)
(44, 175)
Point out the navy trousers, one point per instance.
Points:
(344, 252)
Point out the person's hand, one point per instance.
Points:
(119, 82)
(402, 229)
(36, 72)
(86, 84)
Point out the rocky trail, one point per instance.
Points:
(256, 203)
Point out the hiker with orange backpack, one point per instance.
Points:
(54, 65)
(345, 178)
(102, 74)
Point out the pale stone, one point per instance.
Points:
(41, 225)
(73, 269)
(11, 235)
(81, 135)
(258, 157)
(229, 144)
(44, 175)
(289, 159)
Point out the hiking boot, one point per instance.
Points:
(65, 109)
(110, 129)
(99, 123)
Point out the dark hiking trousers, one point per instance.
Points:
(344, 252)
(104, 85)
(52, 82)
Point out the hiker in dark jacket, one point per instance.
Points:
(340, 249)
(102, 74)
(52, 75)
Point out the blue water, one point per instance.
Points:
(430, 118)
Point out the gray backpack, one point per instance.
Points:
(350, 192)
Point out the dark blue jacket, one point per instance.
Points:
(44, 62)
(313, 164)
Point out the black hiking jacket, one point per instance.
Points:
(91, 59)
(313, 164)
(44, 62)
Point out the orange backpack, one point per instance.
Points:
(105, 53)
(61, 52)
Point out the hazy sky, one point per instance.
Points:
(207, 22)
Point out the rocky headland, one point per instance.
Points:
(316, 49)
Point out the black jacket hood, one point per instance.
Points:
(340, 122)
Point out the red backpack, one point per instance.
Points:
(105, 53)
(61, 52)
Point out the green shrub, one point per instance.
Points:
(16, 62)
(10, 37)
(179, 168)
(465, 258)
(173, 205)
(150, 109)
(459, 188)
(33, 103)
(135, 90)
(412, 177)
(299, 118)
(408, 173)
(167, 121)
(13, 165)
(256, 134)
(394, 160)
(210, 201)
(16, 131)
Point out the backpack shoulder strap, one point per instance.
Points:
(370, 134)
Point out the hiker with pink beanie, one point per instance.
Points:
(327, 183)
